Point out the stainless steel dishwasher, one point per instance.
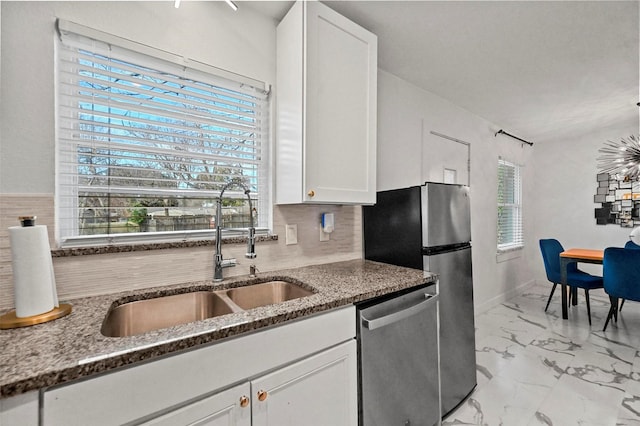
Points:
(398, 359)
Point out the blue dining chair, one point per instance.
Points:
(621, 275)
(551, 249)
(629, 245)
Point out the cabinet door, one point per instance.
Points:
(318, 391)
(341, 108)
(20, 410)
(227, 408)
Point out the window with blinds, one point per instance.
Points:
(509, 206)
(145, 145)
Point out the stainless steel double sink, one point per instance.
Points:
(132, 318)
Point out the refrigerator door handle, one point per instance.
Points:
(372, 324)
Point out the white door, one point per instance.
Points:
(444, 160)
(318, 391)
(227, 408)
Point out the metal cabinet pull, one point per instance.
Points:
(244, 401)
(262, 395)
(372, 324)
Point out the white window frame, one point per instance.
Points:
(514, 226)
(67, 179)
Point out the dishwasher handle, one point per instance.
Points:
(372, 324)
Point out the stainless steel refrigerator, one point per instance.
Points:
(428, 227)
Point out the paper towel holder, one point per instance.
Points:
(10, 320)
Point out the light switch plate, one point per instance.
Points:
(324, 236)
(291, 234)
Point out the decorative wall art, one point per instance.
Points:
(618, 191)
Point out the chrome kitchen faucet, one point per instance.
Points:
(219, 262)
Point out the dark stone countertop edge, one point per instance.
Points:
(44, 376)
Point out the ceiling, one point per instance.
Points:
(541, 70)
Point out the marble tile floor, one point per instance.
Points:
(533, 368)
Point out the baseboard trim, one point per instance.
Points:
(503, 297)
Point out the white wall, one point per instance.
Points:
(206, 31)
(565, 176)
(406, 115)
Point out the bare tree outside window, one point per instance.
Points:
(148, 150)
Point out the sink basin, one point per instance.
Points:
(141, 316)
(253, 296)
(132, 318)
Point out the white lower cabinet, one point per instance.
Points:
(226, 408)
(19, 410)
(319, 391)
(303, 372)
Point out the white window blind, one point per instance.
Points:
(509, 206)
(145, 145)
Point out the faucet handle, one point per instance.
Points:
(227, 263)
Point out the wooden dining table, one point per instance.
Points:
(575, 255)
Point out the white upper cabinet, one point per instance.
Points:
(326, 108)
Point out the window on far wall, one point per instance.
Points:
(145, 145)
(509, 206)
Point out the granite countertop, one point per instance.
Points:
(73, 347)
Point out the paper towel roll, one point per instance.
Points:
(33, 278)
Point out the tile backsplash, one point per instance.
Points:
(80, 276)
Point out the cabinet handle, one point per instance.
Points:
(244, 401)
(311, 193)
(262, 395)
